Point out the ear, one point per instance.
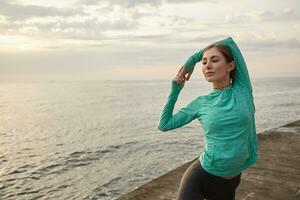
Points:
(231, 66)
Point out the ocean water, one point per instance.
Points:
(99, 140)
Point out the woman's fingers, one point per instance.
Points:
(188, 77)
(186, 74)
(181, 76)
(179, 80)
(180, 70)
(183, 73)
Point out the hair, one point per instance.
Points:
(226, 52)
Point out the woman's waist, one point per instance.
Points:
(229, 177)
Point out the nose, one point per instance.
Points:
(208, 65)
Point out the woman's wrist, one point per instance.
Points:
(176, 87)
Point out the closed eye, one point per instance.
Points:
(213, 61)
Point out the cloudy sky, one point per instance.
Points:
(142, 39)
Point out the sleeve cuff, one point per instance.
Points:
(175, 87)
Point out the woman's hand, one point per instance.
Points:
(184, 73)
(182, 76)
(179, 80)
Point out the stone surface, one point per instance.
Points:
(276, 176)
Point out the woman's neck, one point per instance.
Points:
(221, 85)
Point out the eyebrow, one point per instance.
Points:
(214, 56)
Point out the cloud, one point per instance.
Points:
(124, 3)
(94, 18)
(286, 14)
(98, 23)
(192, 1)
(134, 3)
(21, 12)
(88, 29)
(50, 22)
(273, 44)
(207, 39)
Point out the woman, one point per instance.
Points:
(226, 115)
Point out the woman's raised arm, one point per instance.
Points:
(241, 75)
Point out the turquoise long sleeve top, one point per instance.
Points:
(226, 116)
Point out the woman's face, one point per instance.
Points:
(214, 66)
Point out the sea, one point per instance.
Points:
(99, 139)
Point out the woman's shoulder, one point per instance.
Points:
(241, 90)
(202, 99)
(225, 95)
(197, 99)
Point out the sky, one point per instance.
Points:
(83, 40)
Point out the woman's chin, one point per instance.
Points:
(209, 79)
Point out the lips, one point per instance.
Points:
(209, 73)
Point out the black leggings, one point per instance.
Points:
(197, 184)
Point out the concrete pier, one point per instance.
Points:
(276, 176)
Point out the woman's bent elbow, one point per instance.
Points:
(162, 128)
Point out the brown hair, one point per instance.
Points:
(225, 50)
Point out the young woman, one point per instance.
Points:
(226, 115)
